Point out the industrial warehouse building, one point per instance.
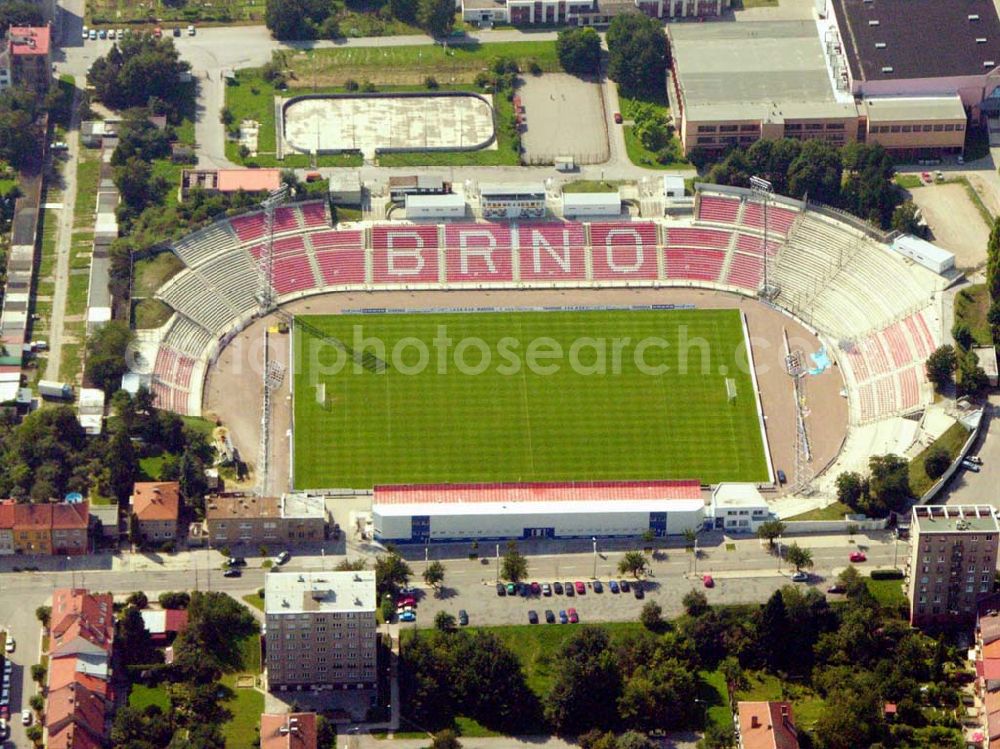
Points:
(907, 74)
(605, 509)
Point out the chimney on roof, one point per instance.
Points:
(754, 721)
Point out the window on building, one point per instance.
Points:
(706, 128)
(728, 128)
(894, 128)
(938, 128)
(927, 128)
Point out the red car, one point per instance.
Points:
(406, 601)
(536, 589)
(573, 617)
(858, 556)
(580, 588)
(708, 581)
(618, 118)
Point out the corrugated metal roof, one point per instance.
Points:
(503, 493)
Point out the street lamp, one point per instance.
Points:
(498, 562)
(594, 540)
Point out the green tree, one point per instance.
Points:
(44, 614)
(936, 462)
(993, 261)
(106, 349)
(434, 574)
(638, 55)
(138, 599)
(20, 129)
(37, 702)
(851, 489)
(351, 565)
(174, 599)
(770, 530)
(695, 602)
(122, 464)
(139, 69)
(773, 626)
(962, 334)
(217, 625)
(326, 733)
(444, 622)
(632, 563)
(436, 17)
(391, 573)
(888, 484)
(446, 739)
(798, 557)
(653, 134)
(718, 737)
(690, 537)
(906, 219)
(20, 13)
(972, 378)
(514, 565)
(38, 672)
(660, 695)
(651, 616)
(587, 684)
(732, 672)
(192, 482)
(404, 10)
(296, 19)
(579, 50)
(133, 640)
(816, 171)
(941, 366)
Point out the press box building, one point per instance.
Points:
(471, 512)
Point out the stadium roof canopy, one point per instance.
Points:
(769, 71)
(921, 38)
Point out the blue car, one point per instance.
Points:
(613, 585)
(524, 590)
(563, 619)
(408, 616)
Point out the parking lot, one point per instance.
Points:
(954, 222)
(564, 116)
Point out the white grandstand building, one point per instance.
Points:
(877, 312)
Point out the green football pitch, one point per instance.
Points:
(523, 396)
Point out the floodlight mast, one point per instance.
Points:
(763, 189)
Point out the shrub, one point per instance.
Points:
(37, 702)
(534, 68)
(174, 599)
(368, 87)
(887, 574)
(431, 82)
(137, 599)
(351, 85)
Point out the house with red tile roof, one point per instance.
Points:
(79, 702)
(766, 725)
(156, 506)
(289, 731)
(7, 527)
(33, 529)
(70, 523)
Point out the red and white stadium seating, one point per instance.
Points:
(909, 389)
(745, 271)
(293, 273)
(684, 264)
(717, 209)
(755, 245)
(315, 215)
(895, 341)
(552, 251)
(248, 227)
(340, 256)
(921, 335)
(694, 237)
(478, 252)
(287, 218)
(779, 220)
(623, 250)
(405, 254)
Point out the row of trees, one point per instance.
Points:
(320, 19)
(884, 489)
(143, 71)
(856, 177)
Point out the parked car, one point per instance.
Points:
(580, 588)
(858, 556)
(463, 617)
(637, 591)
(524, 589)
(86, 33)
(623, 584)
(26, 718)
(613, 586)
(233, 572)
(573, 617)
(550, 617)
(532, 617)
(969, 466)
(111, 34)
(408, 616)
(191, 30)
(4, 730)
(536, 589)
(501, 590)
(618, 118)
(568, 586)
(103, 33)
(511, 589)
(546, 589)
(157, 32)
(406, 601)
(974, 459)
(708, 581)
(11, 645)
(282, 558)
(557, 588)
(93, 34)
(177, 30)
(800, 577)
(598, 588)
(781, 477)
(237, 562)
(836, 588)
(563, 619)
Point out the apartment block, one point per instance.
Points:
(320, 630)
(953, 560)
(239, 518)
(26, 58)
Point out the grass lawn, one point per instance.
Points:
(76, 292)
(150, 313)
(470, 728)
(836, 511)
(718, 700)
(972, 304)
(908, 181)
(199, 425)
(152, 272)
(557, 420)
(593, 185)
(156, 11)
(140, 697)
(411, 64)
(6, 185)
(637, 153)
(952, 441)
(806, 704)
(70, 362)
(151, 466)
(888, 593)
(246, 705)
(254, 600)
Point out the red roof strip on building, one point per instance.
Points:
(29, 40)
(7, 514)
(589, 491)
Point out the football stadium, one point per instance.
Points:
(546, 350)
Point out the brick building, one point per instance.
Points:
(26, 61)
(156, 506)
(45, 528)
(240, 518)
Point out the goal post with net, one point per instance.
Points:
(731, 389)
